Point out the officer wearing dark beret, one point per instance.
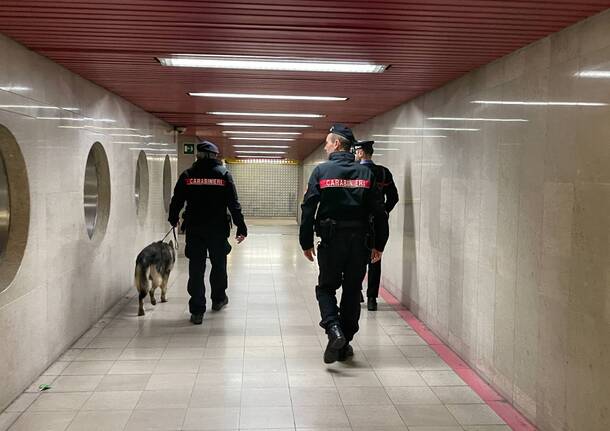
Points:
(208, 190)
(364, 152)
(341, 197)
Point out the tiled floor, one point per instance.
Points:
(255, 365)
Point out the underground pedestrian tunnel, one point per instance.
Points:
(493, 117)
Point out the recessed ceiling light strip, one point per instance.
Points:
(240, 124)
(240, 138)
(266, 114)
(260, 157)
(261, 146)
(594, 74)
(411, 136)
(242, 132)
(464, 129)
(270, 63)
(518, 120)
(260, 152)
(268, 96)
(38, 107)
(536, 103)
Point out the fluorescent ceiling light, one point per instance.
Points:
(520, 120)
(29, 106)
(270, 63)
(96, 128)
(411, 136)
(15, 88)
(37, 107)
(594, 74)
(101, 120)
(254, 158)
(464, 129)
(128, 142)
(109, 128)
(387, 149)
(131, 135)
(157, 143)
(266, 114)
(268, 96)
(261, 125)
(261, 146)
(396, 142)
(61, 118)
(240, 132)
(260, 152)
(262, 139)
(534, 103)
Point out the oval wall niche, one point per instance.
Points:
(14, 207)
(141, 186)
(167, 183)
(96, 192)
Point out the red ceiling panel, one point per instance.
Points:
(427, 43)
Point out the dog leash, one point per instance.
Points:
(172, 230)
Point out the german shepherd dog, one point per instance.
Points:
(154, 263)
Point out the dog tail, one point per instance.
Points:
(141, 279)
(141, 283)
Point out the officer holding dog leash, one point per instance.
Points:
(208, 190)
(340, 200)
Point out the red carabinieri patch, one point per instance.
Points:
(204, 182)
(347, 184)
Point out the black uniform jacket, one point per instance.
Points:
(385, 182)
(342, 190)
(208, 190)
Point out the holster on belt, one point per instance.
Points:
(325, 229)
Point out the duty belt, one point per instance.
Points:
(345, 224)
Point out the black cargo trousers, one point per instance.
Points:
(342, 260)
(374, 279)
(199, 244)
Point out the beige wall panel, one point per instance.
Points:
(503, 233)
(67, 281)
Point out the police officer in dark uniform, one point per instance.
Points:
(385, 182)
(345, 196)
(208, 190)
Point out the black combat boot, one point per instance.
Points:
(372, 304)
(196, 319)
(346, 352)
(217, 306)
(336, 341)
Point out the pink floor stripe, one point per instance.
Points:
(504, 409)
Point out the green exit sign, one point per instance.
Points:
(189, 148)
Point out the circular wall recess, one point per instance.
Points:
(167, 183)
(5, 208)
(14, 207)
(141, 185)
(96, 192)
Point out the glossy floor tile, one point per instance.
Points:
(255, 365)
